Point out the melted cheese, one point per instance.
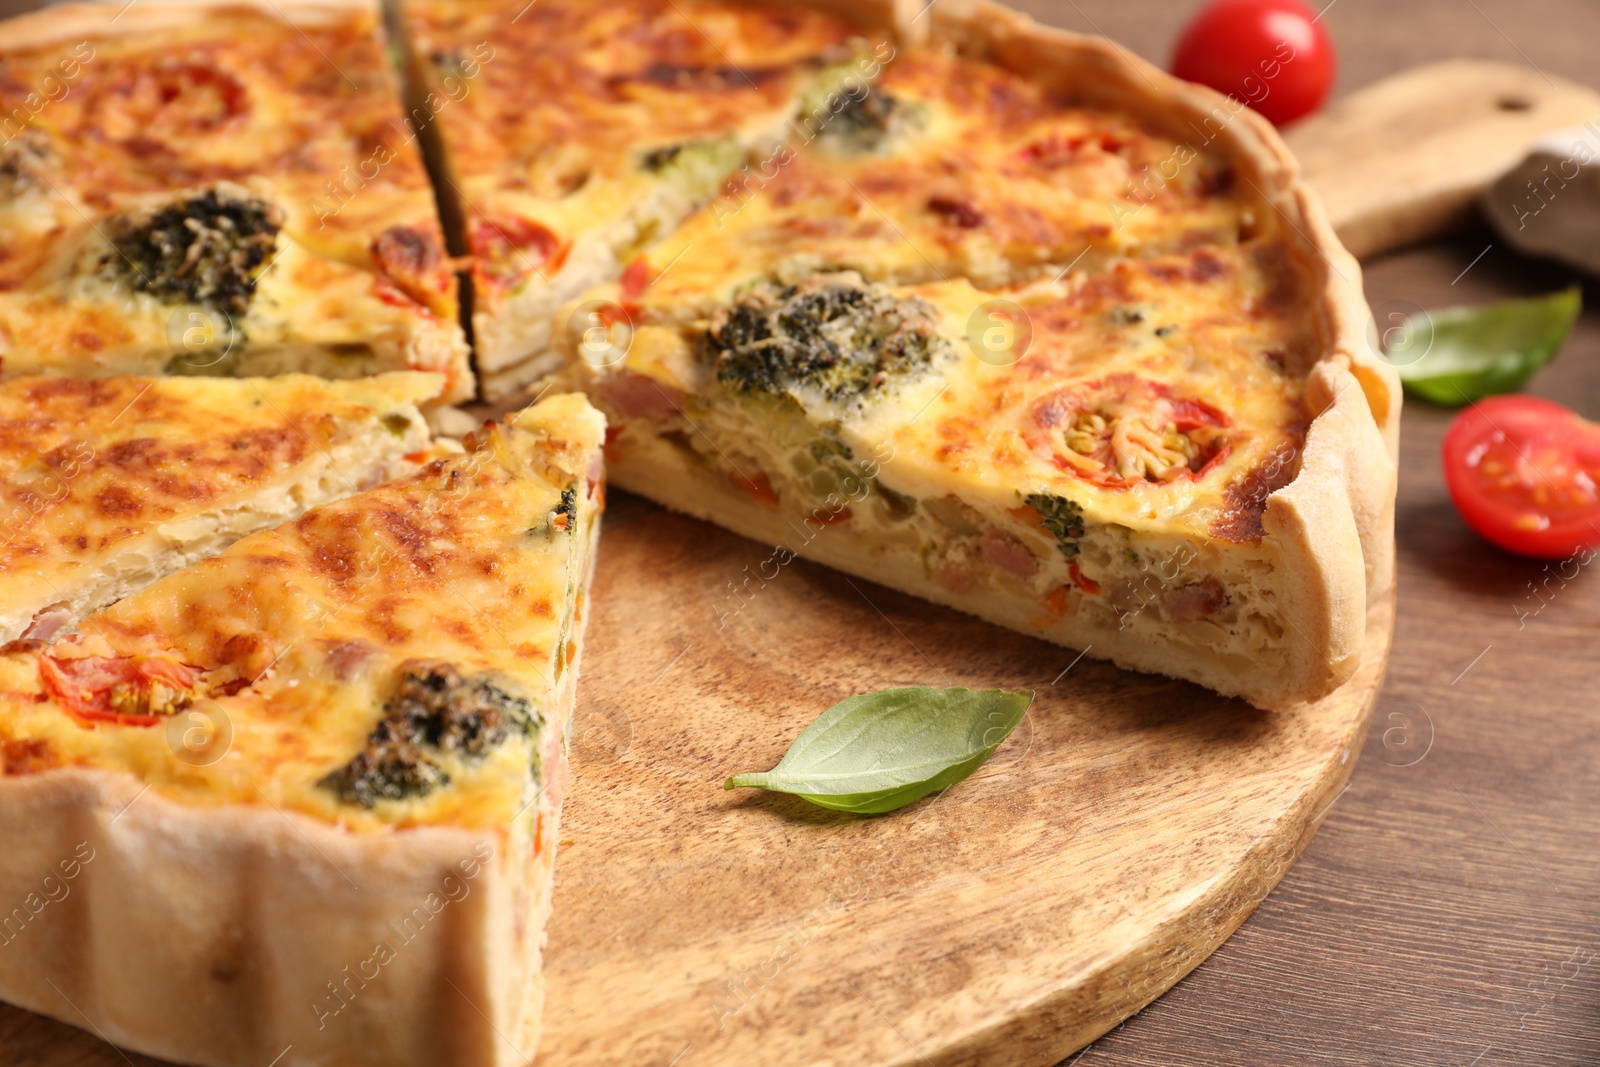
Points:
(558, 101)
(1191, 340)
(104, 480)
(549, 114)
(307, 118)
(466, 562)
(978, 173)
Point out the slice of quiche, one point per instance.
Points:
(569, 135)
(1147, 464)
(1125, 404)
(107, 484)
(310, 786)
(216, 189)
(948, 165)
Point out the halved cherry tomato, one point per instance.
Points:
(1273, 55)
(165, 100)
(84, 686)
(1523, 473)
(510, 247)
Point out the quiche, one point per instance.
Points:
(945, 166)
(305, 791)
(1037, 332)
(216, 189)
(109, 483)
(570, 134)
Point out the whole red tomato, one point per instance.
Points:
(1273, 55)
(1523, 473)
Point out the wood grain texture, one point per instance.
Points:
(1122, 832)
(1118, 837)
(1406, 158)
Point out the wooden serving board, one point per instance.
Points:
(1117, 838)
(1125, 829)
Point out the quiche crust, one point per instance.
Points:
(252, 908)
(1319, 545)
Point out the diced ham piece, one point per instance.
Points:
(349, 659)
(954, 578)
(1196, 600)
(633, 396)
(47, 624)
(1009, 554)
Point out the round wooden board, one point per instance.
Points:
(1113, 842)
(1117, 838)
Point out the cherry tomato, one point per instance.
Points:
(1270, 54)
(1523, 473)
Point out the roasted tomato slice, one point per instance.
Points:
(128, 690)
(1122, 431)
(1060, 150)
(509, 248)
(1523, 473)
(410, 259)
(169, 99)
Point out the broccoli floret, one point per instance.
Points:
(434, 710)
(568, 507)
(1062, 517)
(862, 121)
(205, 249)
(848, 114)
(657, 159)
(563, 518)
(396, 423)
(833, 335)
(391, 767)
(695, 168)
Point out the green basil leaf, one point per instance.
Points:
(880, 751)
(1472, 352)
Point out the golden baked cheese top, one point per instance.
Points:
(948, 166)
(565, 119)
(1163, 392)
(446, 597)
(172, 174)
(226, 94)
(88, 463)
(559, 92)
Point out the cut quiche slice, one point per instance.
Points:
(947, 165)
(309, 787)
(569, 135)
(1120, 479)
(216, 189)
(1038, 332)
(107, 484)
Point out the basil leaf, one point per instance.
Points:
(880, 751)
(1472, 352)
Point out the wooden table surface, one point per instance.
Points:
(1447, 914)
